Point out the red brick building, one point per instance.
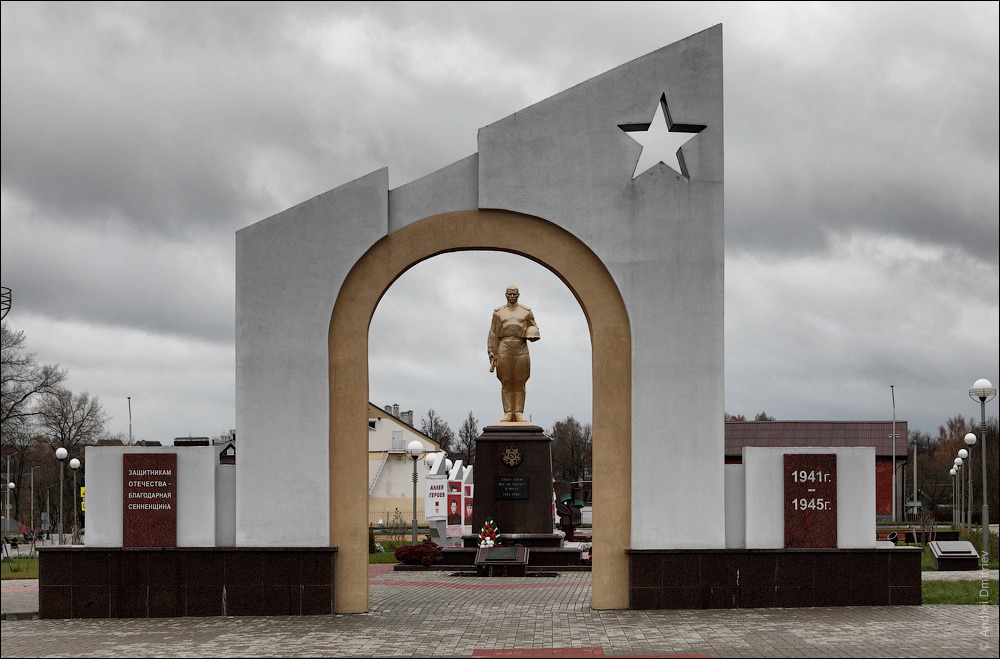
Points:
(829, 433)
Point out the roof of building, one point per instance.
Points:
(815, 433)
(374, 411)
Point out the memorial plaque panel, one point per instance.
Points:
(149, 489)
(511, 487)
(810, 500)
(501, 554)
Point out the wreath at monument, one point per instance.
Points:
(488, 534)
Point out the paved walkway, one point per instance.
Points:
(416, 614)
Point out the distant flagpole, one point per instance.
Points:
(892, 392)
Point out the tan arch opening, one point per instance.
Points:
(588, 279)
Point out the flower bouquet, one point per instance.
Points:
(488, 534)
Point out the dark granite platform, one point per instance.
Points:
(764, 578)
(86, 582)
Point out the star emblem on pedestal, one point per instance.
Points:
(511, 456)
(661, 140)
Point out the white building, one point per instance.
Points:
(390, 469)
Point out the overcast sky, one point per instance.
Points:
(861, 192)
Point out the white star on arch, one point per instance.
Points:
(661, 140)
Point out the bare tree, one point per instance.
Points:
(23, 382)
(437, 429)
(72, 420)
(466, 445)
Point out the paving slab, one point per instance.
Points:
(439, 614)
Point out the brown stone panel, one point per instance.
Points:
(719, 597)
(317, 569)
(130, 601)
(133, 569)
(281, 568)
(681, 598)
(245, 568)
(91, 601)
(203, 601)
(646, 570)
(164, 567)
(790, 596)
(719, 570)
(244, 600)
(904, 569)
(95, 568)
(682, 570)
(756, 571)
(317, 600)
(55, 602)
(149, 499)
(641, 599)
(166, 601)
(810, 488)
(906, 595)
(833, 596)
(835, 570)
(203, 568)
(794, 569)
(280, 601)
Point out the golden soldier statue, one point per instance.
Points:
(512, 327)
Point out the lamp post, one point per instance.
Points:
(954, 500)
(6, 505)
(61, 454)
(967, 461)
(983, 391)
(6, 500)
(894, 436)
(129, 420)
(415, 449)
(970, 441)
(961, 495)
(74, 464)
(32, 523)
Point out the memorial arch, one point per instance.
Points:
(555, 182)
(602, 304)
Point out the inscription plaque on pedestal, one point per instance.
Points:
(810, 500)
(149, 506)
(500, 554)
(511, 487)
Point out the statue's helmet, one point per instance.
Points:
(531, 332)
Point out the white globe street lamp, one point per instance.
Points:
(961, 494)
(970, 440)
(983, 391)
(954, 497)
(61, 454)
(415, 449)
(6, 503)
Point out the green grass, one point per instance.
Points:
(958, 592)
(389, 555)
(20, 568)
(382, 558)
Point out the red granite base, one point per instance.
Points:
(765, 578)
(85, 582)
